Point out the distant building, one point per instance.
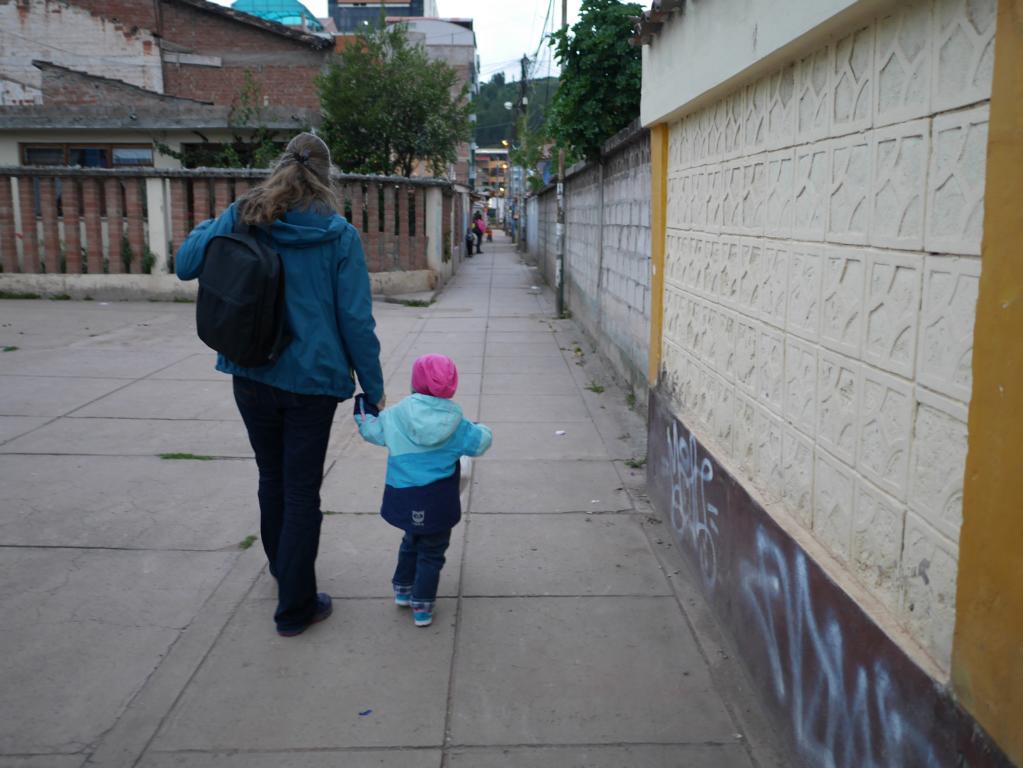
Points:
(105, 84)
(290, 13)
(349, 15)
(492, 171)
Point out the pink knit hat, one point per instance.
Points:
(435, 375)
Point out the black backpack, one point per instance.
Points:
(240, 309)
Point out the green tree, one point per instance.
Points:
(494, 122)
(386, 105)
(601, 77)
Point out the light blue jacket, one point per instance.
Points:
(328, 303)
(426, 436)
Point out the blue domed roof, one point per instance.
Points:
(289, 12)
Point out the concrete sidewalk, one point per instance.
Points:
(138, 629)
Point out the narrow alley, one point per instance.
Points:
(144, 627)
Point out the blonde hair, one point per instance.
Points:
(300, 180)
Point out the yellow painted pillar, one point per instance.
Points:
(658, 229)
(987, 657)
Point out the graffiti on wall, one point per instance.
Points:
(843, 715)
(692, 516)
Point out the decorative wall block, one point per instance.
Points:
(813, 95)
(745, 439)
(945, 356)
(754, 191)
(833, 487)
(801, 385)
(955, 184)
(770, 377)
(697, 193)
(680, 144)
(849, 191)
(929, 570)
(803, 307)
(750, 255)
(811, 192)
(852, 82)
(891, 311)
(733, 124)
(838, 388)
(781, 109)
(700, 130)
(711, 199)
(681, 378)
(720, 411)
(797, 475)
(779, 193)
(842, 299)
(769, 476)
(938, 462)
(746, 355)
(771, 294)
(721, 333)
(963, 53)
(902, 63)
(886, 427)
(729, 267)
(899, 185)
(676, 255)
(711, 257)
(732, 193)
(755, 101)
(678, 311)
(878, 522)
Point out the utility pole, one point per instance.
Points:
(559, 277)
(515, 187)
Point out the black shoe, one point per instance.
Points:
(324, 607)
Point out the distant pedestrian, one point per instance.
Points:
(479, 227)
(470, 240)
(426, 436)
(288, 403)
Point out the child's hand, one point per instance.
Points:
(364, 408)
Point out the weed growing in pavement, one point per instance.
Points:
(60, 297)
(184, 457)
(247, 542)
(18, 295)
(630, 400)
(10, 349)
(595, 388)
(183, 300)
(637, 463)
(416, 303)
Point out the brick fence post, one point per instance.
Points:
(29, 237)
(8, 244)
(93, 226)
(133, 212)
(72, 231)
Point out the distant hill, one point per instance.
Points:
(494, 122)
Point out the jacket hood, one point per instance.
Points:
(427, 421)
(307, 228)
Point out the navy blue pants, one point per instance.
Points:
(289, 434)
(420, 559)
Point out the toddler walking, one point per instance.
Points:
(425, 435)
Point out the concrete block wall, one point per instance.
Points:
(607, 251)
(822, 263)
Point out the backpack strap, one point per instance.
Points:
(240, 227)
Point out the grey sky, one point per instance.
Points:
(505, 29)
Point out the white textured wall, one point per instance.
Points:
(63, 34)
(824, 226)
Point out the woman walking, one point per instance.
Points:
(479, 226)
(288, 405)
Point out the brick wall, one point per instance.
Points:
(821, 273)
(607, 250)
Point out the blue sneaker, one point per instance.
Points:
(402, 596)
(324, 607)
(423, 618)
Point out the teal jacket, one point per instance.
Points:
(425, 437)
(328, 303)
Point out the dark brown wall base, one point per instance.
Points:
(845, 694)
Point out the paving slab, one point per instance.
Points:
(510, 324)
(13, 426)
(125, 363)
(197, 367)
(355, 485)
(168, 399)
(136, 502)
(545, 347)
(555, 380)
(357, 558)
(50, 396)
(349, 758)
(44, 761)
(647, 756)
(456, 324)
(83, 630)
(533, 408)
(497, 364)
(258, 691)
(528, 486)
(581, 670)
(540, 440)
(576, 554)
(454, 349)
(135, 437)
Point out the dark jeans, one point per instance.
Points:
(289, 434)
(420, 559)
(479, 241)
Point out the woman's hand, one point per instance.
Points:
(383, 402)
